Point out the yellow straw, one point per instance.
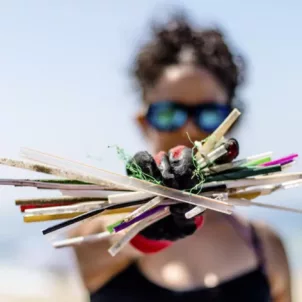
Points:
(41, 218)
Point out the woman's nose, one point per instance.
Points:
(192, 130)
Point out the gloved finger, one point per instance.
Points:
(179, 210)
(143, 162)
(183, 167)
(164, 166)
(170, 228)
(160, 164)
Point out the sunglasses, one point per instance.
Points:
(170, 116)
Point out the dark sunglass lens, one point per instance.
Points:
(166, 117)
(210, 118)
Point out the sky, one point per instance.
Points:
(64, 79)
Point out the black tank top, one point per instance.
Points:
(132, 285)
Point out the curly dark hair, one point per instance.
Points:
(210, 51)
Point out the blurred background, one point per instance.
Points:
(65, 89)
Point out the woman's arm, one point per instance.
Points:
(174, 169)
(95, 263)
(277, 265)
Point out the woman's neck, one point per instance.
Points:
(213, 216)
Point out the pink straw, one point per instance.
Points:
(280, 161)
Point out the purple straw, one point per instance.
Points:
(287, 162)
(138, 218)
(280, 161)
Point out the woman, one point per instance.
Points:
(213, 257)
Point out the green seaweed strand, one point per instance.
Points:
(137, 172)
(133, 167)
(197, 172)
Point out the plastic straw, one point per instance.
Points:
(145, 207)
(81, 239)
(143, 215)
(135, 229)
(98, 175)
(281, 160)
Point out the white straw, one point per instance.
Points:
(47, 169)
(292, 184)
(81, 239)
(90, 193)
(42, 184)
(194, 212)
(82, 207)
(212, 156)
(126, 197)
(135, 229)
(145, 207)
(198, 210)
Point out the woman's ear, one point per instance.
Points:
(142, 123)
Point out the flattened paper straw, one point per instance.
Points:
(23, 208)
(95, 174)
(138, 218)
(50, 186)
(42, 168)
(126, 197)
(215, 154)
(135, 229)
(281, 161)
(237, 163)
(145, 207)
(259, 161)
(257, 181)
(75, 208)
(195, 211)
(57, 200)
(40, 218)
(52, 216)
(90, 193)
(87, 215)
(81, 239)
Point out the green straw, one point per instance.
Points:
(244, 173)
(63, 181)
(110, 228)
(257, 162)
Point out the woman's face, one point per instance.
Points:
(186, 85)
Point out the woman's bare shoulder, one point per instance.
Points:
(276, 261)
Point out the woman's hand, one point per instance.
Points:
(174, 169)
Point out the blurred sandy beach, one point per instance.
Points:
(39, 285)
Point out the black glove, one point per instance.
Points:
(174, 169)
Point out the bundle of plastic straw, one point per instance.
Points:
(89, 192)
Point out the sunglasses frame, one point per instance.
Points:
(193, 111)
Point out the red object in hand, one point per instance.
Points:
(149, 246)
(232, 148)
(33, 206)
